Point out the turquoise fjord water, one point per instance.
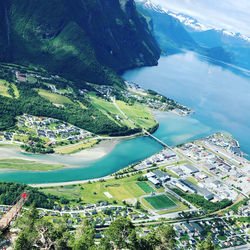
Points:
(220, 96)
(218, 93)
(124, 154)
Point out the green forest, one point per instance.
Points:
(200, 201)
(9, 192)
(32, 103)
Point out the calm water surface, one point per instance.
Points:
(219, 95)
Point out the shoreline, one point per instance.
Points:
(86, 156)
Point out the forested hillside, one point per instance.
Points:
(88, 40)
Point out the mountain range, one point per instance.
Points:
(175, 31)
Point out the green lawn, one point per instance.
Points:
(120, 189)
(160, 202)
(54, 98)
(145, 187)
(222, 237)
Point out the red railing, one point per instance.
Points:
(13, 210)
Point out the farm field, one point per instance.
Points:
(54, 98)
(145, 187)
(8, 89)
(109, 109)
(138, 113)
(160, 202)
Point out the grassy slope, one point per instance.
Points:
(4, 88)
(54, 98)
(138, 113)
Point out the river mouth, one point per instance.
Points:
(79, 159)
(206, 88)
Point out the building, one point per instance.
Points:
(157, 177)
(154, 181)
(209, 166)
(169, 154)
(190, 169)
(188, 227)
(178, 171)
(187, 186)
(216, 184)
(162, 177)
(205, 193)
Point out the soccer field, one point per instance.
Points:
(145, 187)
(160, 202)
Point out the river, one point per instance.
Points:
(219, 95)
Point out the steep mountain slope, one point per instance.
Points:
(236, 43)
(172, 35)
(168, 31)
(88, 40)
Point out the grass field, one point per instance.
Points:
(109, 109)
(4, 88)
(138, 113)
(27, 165)
(145, 187)
(54, 98)
(71, 149)
(180, 205)
(120, 189)
(160, 202)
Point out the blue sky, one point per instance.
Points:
(233, 15)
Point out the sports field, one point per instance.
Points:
(145, 187)
(160, 202)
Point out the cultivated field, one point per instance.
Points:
(54, 98)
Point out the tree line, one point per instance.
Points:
(32, 103)
(37, 233)
(10, 191)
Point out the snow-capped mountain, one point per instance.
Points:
(188, 21)
(191, 24)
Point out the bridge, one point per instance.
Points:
(13, 211)
(155, 138)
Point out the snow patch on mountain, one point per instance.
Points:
(191, 22)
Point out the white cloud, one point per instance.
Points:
(233, 15)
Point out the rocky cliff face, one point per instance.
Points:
(90, 40)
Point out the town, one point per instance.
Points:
(186, 186)
(52, 132)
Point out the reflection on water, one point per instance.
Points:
(219, 96)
